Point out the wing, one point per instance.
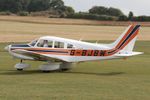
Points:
(38, 56)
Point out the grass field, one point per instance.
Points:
(107, 80)
(12, 28)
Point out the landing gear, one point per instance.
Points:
(20, 69)
(21, 61)
(56, 66)
(47, 67)
(21, 66)
(66, 66)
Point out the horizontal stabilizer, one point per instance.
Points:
(126, 54)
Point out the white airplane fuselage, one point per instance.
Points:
(93, 51)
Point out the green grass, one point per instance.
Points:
(104, 80)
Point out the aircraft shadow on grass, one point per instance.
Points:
(29, 72)
(100, 74)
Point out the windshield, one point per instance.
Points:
(33, 43)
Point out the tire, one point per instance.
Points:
(64, 70)
(20, 69)
(46, 71)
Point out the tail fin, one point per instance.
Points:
(127, 40)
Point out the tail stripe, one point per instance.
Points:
(132, 37)
(131, 33)
(130, 29)
(128, 37)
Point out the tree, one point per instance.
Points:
(100, 10)
(69, 10)
(10, 5)
(22, 7)
(38, 5)
(25, 4)
(122, 18)
(130, 16)
(114, 12)
(56, 4)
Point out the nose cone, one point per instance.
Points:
(7, 48)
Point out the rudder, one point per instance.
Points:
(127, 40)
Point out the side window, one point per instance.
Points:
(69, 46)
(59, 44)
(50, 44)
(45, 43)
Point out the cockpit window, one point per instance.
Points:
(59, 44)
(33, 43)
(45, 43)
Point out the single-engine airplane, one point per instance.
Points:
(61, 53)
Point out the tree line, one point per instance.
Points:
(28, 6)
(108, 14)
(57, 7)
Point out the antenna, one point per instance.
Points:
(97, 41)
(81, 38)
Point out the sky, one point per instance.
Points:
(139, 7)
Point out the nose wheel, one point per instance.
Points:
(21, 66)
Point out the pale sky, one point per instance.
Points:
(139, 7)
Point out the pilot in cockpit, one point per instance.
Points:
(45, 43)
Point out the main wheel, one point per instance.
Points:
(64, 70)
(20, 69)
(49, 67)
(66, 66)
(44, 71)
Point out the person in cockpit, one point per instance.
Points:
(45, 44)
